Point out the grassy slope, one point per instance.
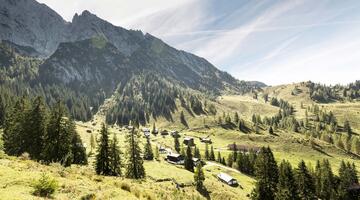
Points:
(80, 181)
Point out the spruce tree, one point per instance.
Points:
(183, 120)
(92, 143)
(61, 130)
(197, 153)
(115, 157)
(212, 154)
(347, 178)
(177, 144)
(271, 131)
(148, 152)
(78, 150)
(327, 181)
(305, 182)
(286, 187)
(347, 128)
(230, 160)
(207, 155)
(156, 154)
(102, 165)
(36, 128)
(134, 165)
(236, 118)
(199, 177)
(219, 158)
(266, 173)
(189, 164)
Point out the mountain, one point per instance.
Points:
(85, 61)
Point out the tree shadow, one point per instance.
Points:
(205, 193)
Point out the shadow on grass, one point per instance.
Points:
(204, 192)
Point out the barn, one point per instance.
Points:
(227, 179)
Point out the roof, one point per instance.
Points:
(175, 155)
(188, 138)
(225, 177)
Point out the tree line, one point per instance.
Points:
(47, 135)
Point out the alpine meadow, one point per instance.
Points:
(90, 110)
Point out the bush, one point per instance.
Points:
(89, 197)
(45, 186)
(25, 156)
(125, 186)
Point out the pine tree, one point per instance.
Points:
(347, 128)
(134, 166)
(207, 156)
(236, 118)
(78, 150)
(199, 177)
(219, 158)
(156, 154)
(197, 153)
(212, 154)
(115, 157)
(183, 120)
(148, 152)
(326, 184)
(266, 173)
(305, 182)
(59, 136)
(103, 166)
(189, 164)
(177, 144)
(230, 160)
(347, 178)
(286, 187)
(36, 128)
(271, 131)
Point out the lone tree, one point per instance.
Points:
(103, 166)
(148, 152)
(199, 177)
(183, 120)
(177, 144)
(189, 164)
(134, 166)
(115, 158)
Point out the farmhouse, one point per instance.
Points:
(175, 158)
(206, 140)
(164, 132)
(227, 179)
(189, 141)
(162, 150)
(196, 161)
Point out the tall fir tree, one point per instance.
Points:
(78, 150)
(148, 152)
(135, 164)
(207, 154)
(267, 175)
(177, 144)
(59, 136)
(305, 182)
(92, 143)
(199, 177)
(197, 153)
(236, 118)
(286, 187)
(115, 157)
(212, 154)
(102, 165)
(189, 163)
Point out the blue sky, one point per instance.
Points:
(270, 41)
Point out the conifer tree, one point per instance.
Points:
(219, 158)
(103, 165)
(148, 152)
(347, 178)
(134, 165)
(197, 153)
(230, 160)
(61, 130)
(78, 150)
(266, 173)
(271, 131)
(156, 154)
(36, 128)
(189, 164)
(207, 155)
(347, 128)
(153, 129)
(326, 187)
(236, 118)
(305, 182)
(356, 145)
(286, 187)
(212, 154)
(177, 144)
(115, 157)
(199, 177)
(183, 120)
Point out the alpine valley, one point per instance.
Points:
(90, 110)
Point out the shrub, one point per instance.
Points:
(25, 156)
(125, 186)
(45, 186)
(89, 197)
